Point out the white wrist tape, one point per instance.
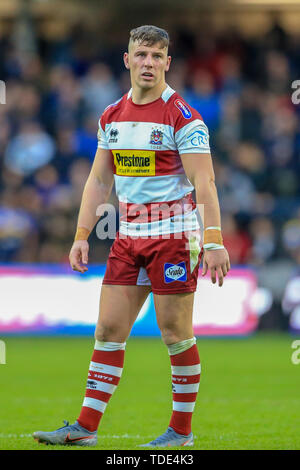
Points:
(212, 246)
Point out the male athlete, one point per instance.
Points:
(155, 148)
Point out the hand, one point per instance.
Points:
(79, 255)
(217, 261)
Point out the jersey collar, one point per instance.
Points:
(165, 96)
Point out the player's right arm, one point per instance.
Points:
(96, 192)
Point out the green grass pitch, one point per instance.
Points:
(248, 398)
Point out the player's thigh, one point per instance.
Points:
(174, 313)
(119, 307)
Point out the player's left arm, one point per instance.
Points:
(199, 170)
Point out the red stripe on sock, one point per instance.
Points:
(89, 418)
(190, 357)
(185, 397)
(98, 395)
(111, 358)
(181, 422)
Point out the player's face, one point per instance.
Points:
(147, 64)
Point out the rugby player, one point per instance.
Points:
(155, 148)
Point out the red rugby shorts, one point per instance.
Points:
(169, 265)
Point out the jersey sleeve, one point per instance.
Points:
(190, 132)
(102, 140)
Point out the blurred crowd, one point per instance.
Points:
(241, 87)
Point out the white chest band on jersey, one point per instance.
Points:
(177, 224)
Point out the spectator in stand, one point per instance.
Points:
(29, 150)
(99, 89)
(235, 188)
(204, 98)
(16, 226)
(238, 241)
(264, 241)
(291, 237)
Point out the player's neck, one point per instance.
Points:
(142, 96)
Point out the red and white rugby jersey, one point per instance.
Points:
(146, 142)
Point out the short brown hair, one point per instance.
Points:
(150, 35)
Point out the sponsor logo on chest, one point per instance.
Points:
(134, 162)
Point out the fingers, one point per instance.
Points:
(80, 269)
(213, 275)
(224, 269)
(76, 266)
(217, 271)
(220, 276)
(84, 255)
(228, 265)
(78, 257)
(205, 267)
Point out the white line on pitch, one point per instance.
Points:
(114, 436)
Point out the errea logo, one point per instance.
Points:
(113, 136)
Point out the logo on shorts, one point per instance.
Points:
(175, 272)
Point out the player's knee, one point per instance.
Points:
(109, 332)
(175, 332)
(104, 332)
(170, 335)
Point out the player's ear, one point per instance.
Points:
(126, 60)
(168, 64)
